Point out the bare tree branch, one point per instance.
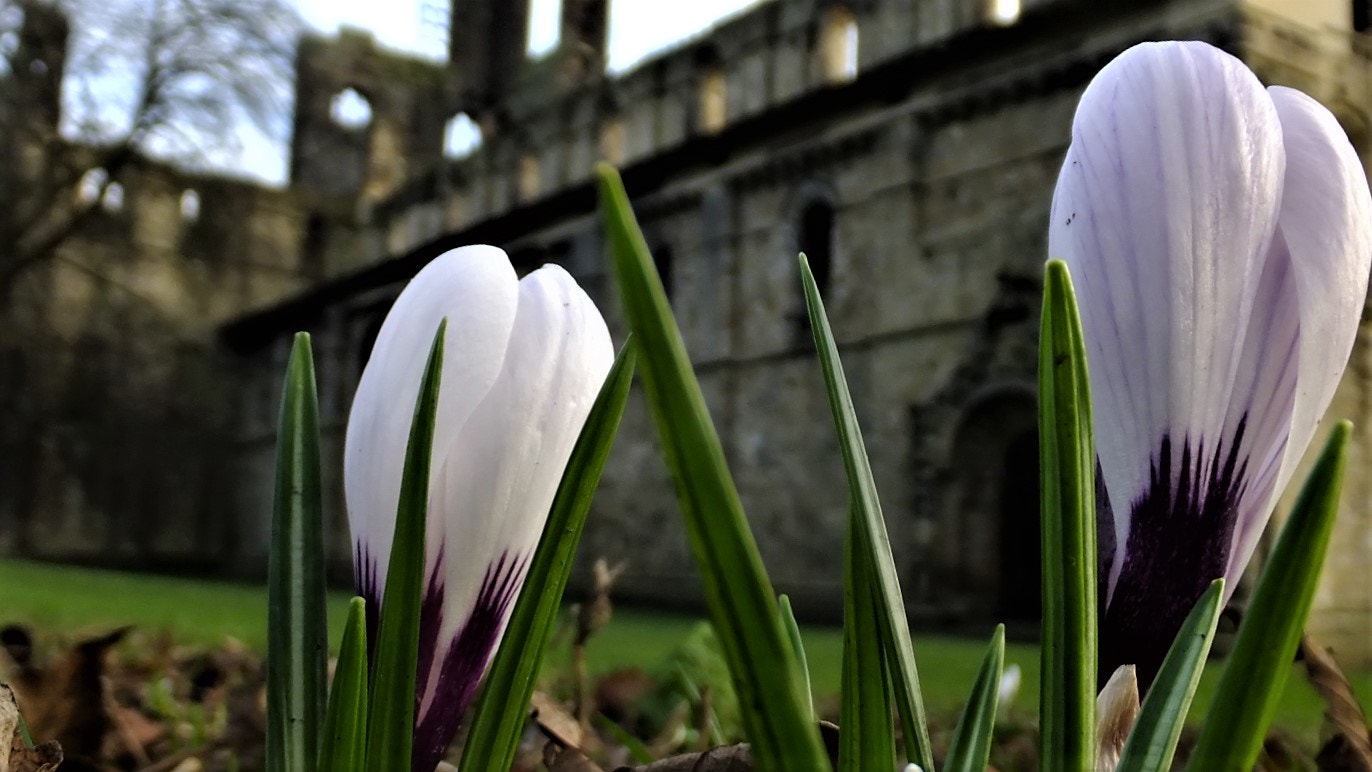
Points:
(174, 79)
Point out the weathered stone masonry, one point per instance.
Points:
(916, 172)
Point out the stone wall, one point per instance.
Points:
(916, 171)
(118, 446)
(936, 163)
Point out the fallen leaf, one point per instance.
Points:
(1351, 746)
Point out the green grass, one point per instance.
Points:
(63, 601)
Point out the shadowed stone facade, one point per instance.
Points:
(911, 155)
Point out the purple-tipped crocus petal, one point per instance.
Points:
(1325, 230)
(496, 484)
(1165, 212)
(476, 289)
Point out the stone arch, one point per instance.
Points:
(991, 524)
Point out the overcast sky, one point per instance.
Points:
(637, 27)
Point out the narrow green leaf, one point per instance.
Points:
(971, 745)
(503, 707)
(1153, 740)
(297, 632)
(1256, 670)
(788, 621)
(1067, 463)
(872, 539)
(24, 735)
(345, 725)
(637, 750)
(866, 730)
(390, 717)
(742, 603)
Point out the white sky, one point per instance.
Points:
(638, 28)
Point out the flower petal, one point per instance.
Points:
(1165, 212)
(1325, 227)
(476, 289)
(499, 476)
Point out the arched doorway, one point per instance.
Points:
(1019, 596)
(989, 542)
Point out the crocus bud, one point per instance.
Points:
(1219, 235)
(523, 361)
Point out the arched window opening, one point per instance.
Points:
(814, 237)
(714, 101)
(990, 531)
(529, 178)
(92, 185)
(838, 45)
(190, 205)
(350, 110)
(1002, 13)
(113, 199)
(612, 140)
(545, 27)
(461, 137)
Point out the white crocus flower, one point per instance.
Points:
(1219, 235)
(522, 363)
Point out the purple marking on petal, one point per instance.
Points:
(465, 660)
(430, 619)
(1180, 534)
(368, 588)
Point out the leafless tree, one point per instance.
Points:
(89, 85)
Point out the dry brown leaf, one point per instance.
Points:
(65, 699)
(1352, 746)
(727, 758)
(555, 722)
(568, 760)
(40, 758)
(9, 726)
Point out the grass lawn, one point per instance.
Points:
(62, 601)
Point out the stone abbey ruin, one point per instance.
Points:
(909, 147)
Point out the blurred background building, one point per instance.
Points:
(909, 147)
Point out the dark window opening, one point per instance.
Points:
(816, 240)
(1019, 598)
(662, 261)
(314, 247)
(1362, 15)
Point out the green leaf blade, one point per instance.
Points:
(1153, 741)
(502, 708)
(971, 745)
(390, 717)
(297, 640)
(345, 724)
(1255, 673)
(742, 603)
(788, 621)
(866, 733)
(872, 538)
(1067, 466)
